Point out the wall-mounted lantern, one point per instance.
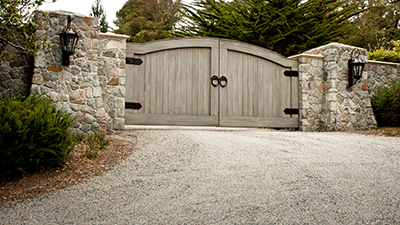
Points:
(69, 38)
(356, 66)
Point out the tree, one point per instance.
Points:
(18, 22)
(376, 27)
(98, 11)
(148, 20)
(284, 26)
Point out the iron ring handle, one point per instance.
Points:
(214, 78)
(223, 81)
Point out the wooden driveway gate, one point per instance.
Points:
(209, 82)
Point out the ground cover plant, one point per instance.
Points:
(386, 105)
(34, 134)
(94, 143)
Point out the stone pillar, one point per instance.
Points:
(112, 74)
(92, 87)
(311, 91)
(342, 107)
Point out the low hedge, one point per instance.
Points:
(386, 105)
(386, 54)
(34, 134)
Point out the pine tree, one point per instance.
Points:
(284, 26)
(98, 11)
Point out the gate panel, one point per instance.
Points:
(257, 91)
(173, 85)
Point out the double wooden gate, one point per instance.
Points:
(209, 82)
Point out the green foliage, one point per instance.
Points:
(386, 105)
(34, 134)
(18, 23)
(284, 26)
(98, 11)
(95, 143)
(380, 22)
(386, 54)
(147, 20)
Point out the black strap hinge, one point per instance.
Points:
(291, 111)
(134, 61)
(133, 105)
(290, 73)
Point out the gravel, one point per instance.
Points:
(244, 176)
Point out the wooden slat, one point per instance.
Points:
(246, 79)
(223, 92)
(153, 83)
(130, 81)
(138, 76)
(165, 85)
(147, 84)
(159, 81)
(189, 81)
(183, 81)
(171, 81)
(177, 82)
(269, 89)
(214, 91)
(273, 122)
(210, 94)
(179, 120)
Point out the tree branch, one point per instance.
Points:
(13, 45)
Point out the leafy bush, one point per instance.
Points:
(386, 105)
(386, 54)
(33, 134)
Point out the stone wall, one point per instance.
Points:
(381, 74)
(326, 101)
(15, 72)
(92, 87)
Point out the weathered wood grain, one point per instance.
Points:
(174, 84)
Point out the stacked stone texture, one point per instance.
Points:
(15, 72)
(330, 104)
(92, 87)
(381, 75)
(311, 81)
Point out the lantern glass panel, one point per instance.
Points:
(69, 43)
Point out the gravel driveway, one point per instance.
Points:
(246, 176)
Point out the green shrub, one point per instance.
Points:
(34, 134)
(386, 54)
(386, 105)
